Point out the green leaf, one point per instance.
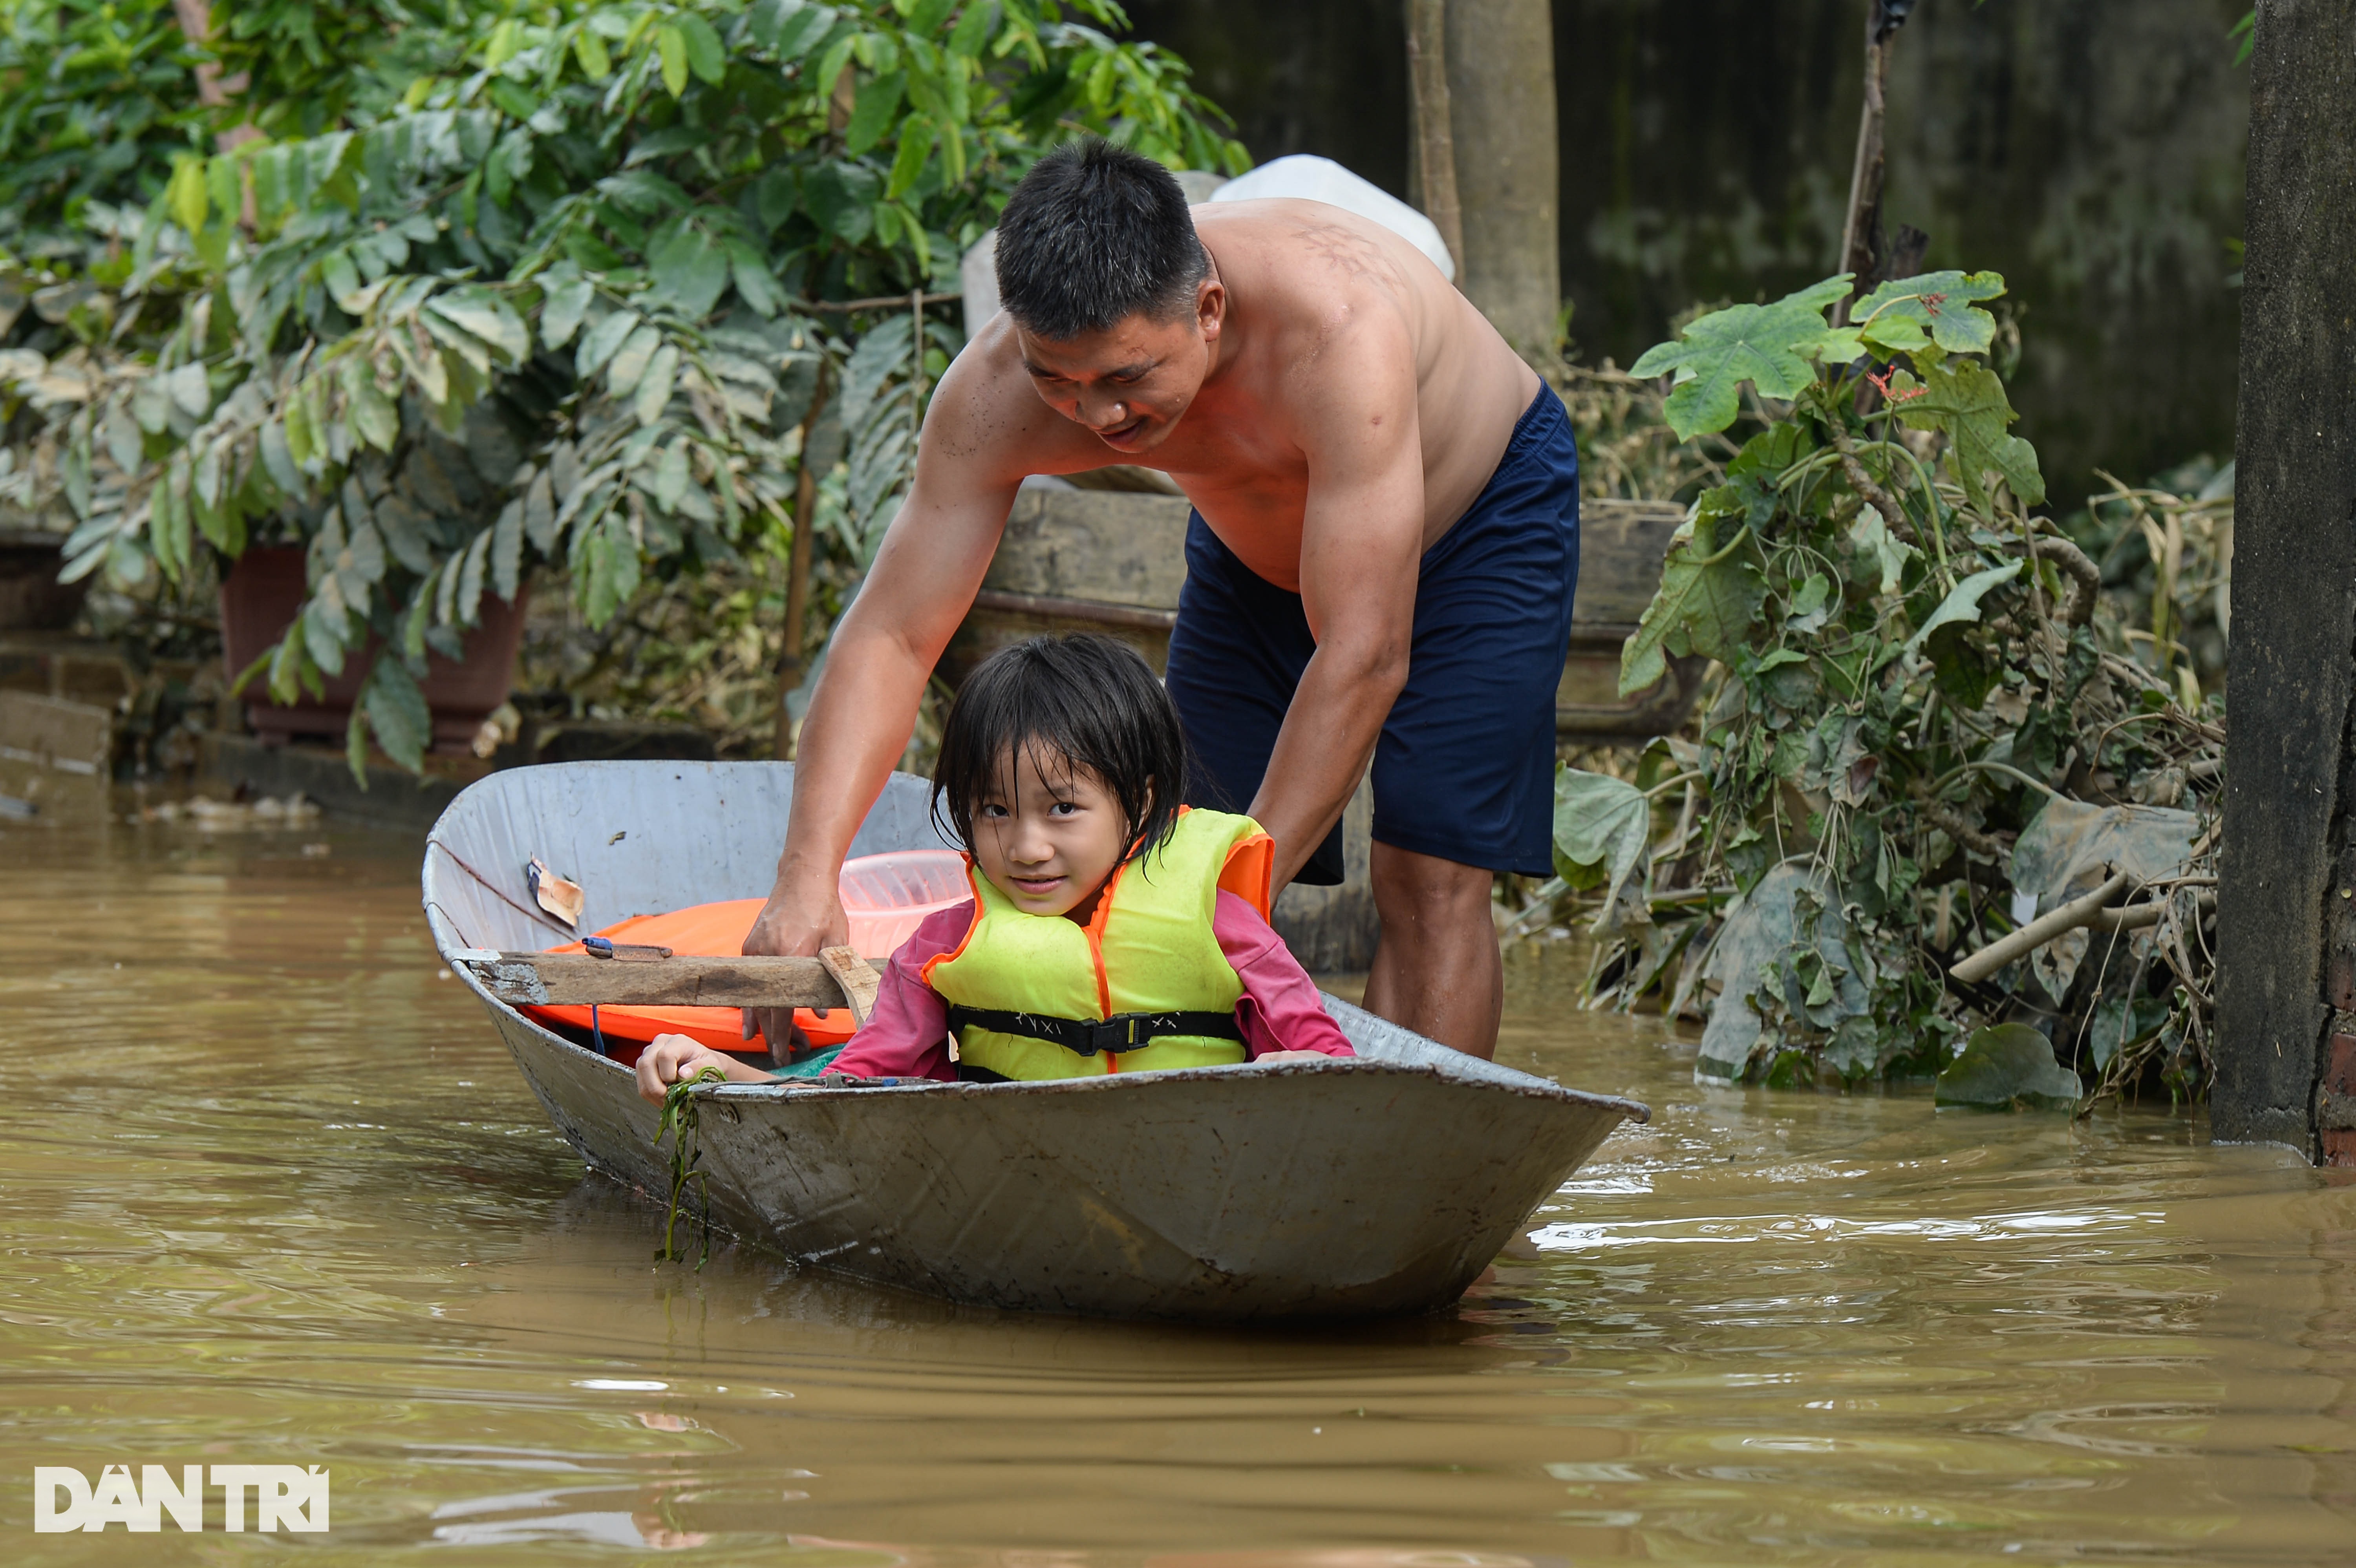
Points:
(1908, 316)
(705, 57)
(600, 342)
(539, 513)
(560, 314)
(671, 44)
(190, 389)
(372, 415)
(973, 30)
(1707, 598)
(1880, 553)
(408, 533)
(486, 315)
(654, 388)
(505, 40)
(928, 15)
(916, 146)
(278, 458)
(1967, 403)
(670, 476)
(2005, 1067)
(507, 551)
(356, 746)
(1962, 601)
(324, 624)
(397, 712)
(871, 116)
(1772, 346)
(755, 281)
(790, 28)
(467, 606)
(187, 194)
(1601, 829)
(590, 50)
(630, 363)
(341, 279)
(690, 273)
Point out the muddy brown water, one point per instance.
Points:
(271, 1192)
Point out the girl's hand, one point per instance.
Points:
(1268, 1056)
(674, 1058)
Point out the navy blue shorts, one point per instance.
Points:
(1464, 770)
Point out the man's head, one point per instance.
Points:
(1109, 291)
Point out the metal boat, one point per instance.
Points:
(1351, 1189)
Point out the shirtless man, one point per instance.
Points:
(1379, 566)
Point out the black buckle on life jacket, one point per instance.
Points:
(1109, 1035)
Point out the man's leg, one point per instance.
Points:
(1436, 968)
(1464, 772)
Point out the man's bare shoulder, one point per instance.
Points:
(987, 421)
(1304, 264)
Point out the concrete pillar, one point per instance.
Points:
(2286, 906)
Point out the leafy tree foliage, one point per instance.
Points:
(593, 297)
(1924, 736)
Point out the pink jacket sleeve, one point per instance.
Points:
(908, 1034)
(1281, 1010)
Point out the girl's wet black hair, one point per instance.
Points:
(1078, 696)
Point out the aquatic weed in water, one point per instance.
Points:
(680, 1119)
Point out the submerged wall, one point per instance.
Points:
(2090, 149)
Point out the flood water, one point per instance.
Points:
(271, 1192)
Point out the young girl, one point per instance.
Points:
(1111, 929)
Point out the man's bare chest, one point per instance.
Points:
(1239, 453)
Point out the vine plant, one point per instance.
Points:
(1921, 737)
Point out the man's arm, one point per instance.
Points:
(971, 458)
(1361, 543)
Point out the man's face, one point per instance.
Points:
(1129, 383)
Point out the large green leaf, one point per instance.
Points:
(2004, 1067)
(1967, 403)
(1601, 828)
(1772, 346)
(1910, 314)
(1963, 600)
(1708, 599)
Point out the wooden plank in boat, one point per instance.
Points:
(577, 980)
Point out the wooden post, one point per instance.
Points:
(1435, 139)
(1500, 64)
(2286, 898)
(1866, 249)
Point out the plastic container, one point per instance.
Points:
(886, 897)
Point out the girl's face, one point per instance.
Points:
(1047, 836)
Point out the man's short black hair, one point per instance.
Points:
(1056, 703)
(1093, 234)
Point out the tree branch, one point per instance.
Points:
(1873, 495)
(2085, 577)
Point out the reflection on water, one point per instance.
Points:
(274, 1194)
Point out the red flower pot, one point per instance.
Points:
(263, 592)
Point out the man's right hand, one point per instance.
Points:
(791, 925)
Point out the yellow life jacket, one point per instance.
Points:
(1143, 985)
